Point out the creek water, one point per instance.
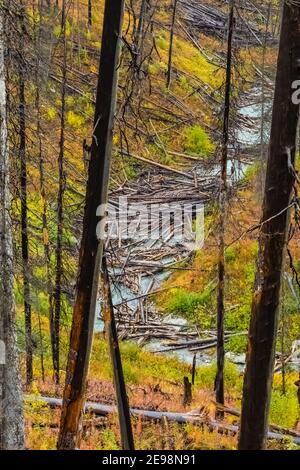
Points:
(247, 136)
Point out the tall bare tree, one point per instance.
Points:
(279, 184)
(91, 249)
(219, 382)
(113, 342)
(55, 325)
(23, 197)
(11, 415)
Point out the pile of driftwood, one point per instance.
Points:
(172, 336)
(137, 266)
(213, 21)
(199, 344)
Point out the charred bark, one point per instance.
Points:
(112, 336)
(55, 326)
(89, 13)
(45, 231)
(280, 179)
(24, 209)
(91, 248)
(169, 73)
(219, 381)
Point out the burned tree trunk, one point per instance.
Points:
(169, 73)
(42, 43)
(143, 46)
(55, 326)
(112, 335)
(219, 381)
(41, 163)
(91, 247)
(280, 179)
(24, 208)
(140, 28)
(187, 392)
(11, 407)
(89, 13)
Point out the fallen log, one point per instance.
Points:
(182, 418)
(153, 163)
(273, 427)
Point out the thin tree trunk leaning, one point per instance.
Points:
(91, 248)
(219, 381)
(280, 179)
(169, 74)
(11, 406)
(55, 327)
(119, 382)
(24, 210)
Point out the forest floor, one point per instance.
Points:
(155, 381)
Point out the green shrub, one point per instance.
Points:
(251, 171)
(162, 43)
(233, 378)
(109, 441)
(184, 84)
(185, 303)
(197, 141)
(284, 409)
(237, 344)
(230, 254)
(75, 120)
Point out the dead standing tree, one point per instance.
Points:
(143, 40)
(23, 198)
(219, 381)
(91, 248)
(119, 382)
(11, 407)
(57, 294)
(279, 184)
(169, 73)
(90, 13)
